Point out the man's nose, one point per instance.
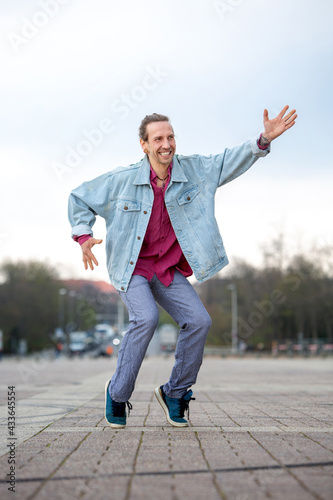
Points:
(166, 144)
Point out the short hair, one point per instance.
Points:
(155, 117)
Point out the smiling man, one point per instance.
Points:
(160, 229)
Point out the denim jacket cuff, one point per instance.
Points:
(81, 229)
(256, 150)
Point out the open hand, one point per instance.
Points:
(278, 125)
(87, 256)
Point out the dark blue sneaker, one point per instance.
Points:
(174, 408)
(115, 413)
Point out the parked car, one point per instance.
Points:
(77, 343)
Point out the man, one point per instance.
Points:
(160, 229)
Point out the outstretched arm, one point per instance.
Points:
(278, 125)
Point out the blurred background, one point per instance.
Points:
(77, 79)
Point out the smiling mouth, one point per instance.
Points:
(166, 154)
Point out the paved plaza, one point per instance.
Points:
(259, 429)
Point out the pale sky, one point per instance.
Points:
(70, 67)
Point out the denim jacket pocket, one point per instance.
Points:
(189, 195)
(126, 218)
(128, 205)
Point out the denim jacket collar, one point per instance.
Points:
(143, 175)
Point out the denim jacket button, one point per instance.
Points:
(188, 198)
(125, 207)
(145, 211)
(122, 288)
(139, 238)
(131, 263)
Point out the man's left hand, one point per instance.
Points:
(277, 126)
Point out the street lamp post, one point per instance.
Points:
(72, 294)
(61, 311)
(234, 331)
(62, 292)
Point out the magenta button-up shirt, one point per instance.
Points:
(160, 252)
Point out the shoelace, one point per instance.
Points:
(129, 406)
(118, 409)
(184, 406)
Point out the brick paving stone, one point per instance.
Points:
(322, 438)
(156, 487)
(259, 429)
(156, 453)
(94, 489)
(121, 453)
(45, 455)
(263, 485)
(318, 480)
(292, 448)
(228, 450)
(196, 486)
(186, 454)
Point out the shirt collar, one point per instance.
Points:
(143, 175)
(153, 175)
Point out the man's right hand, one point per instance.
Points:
(87, 256)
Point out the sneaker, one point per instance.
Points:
(115, 413)
(174, 408)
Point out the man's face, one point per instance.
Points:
(161, 145)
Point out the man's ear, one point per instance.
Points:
(143, 145)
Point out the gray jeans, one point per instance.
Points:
(181, 301)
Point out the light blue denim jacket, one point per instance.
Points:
(124, 198)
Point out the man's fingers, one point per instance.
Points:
(290, 116)
(282, 112)
(291, 123)
(88, 260)
(90, 264)
(94, 260)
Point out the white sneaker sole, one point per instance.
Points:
(159, 398)
(114, 426)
